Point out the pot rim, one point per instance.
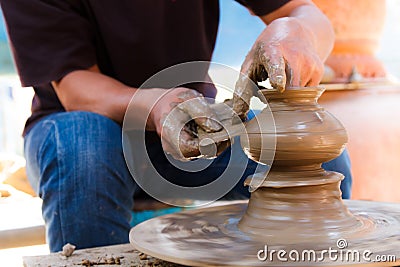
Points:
(309, 92)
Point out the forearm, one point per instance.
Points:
(89, 90)
(312, 19)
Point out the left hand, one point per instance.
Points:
(286, 53)
(170, 115)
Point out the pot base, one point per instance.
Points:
(211, 237)
(293, 205)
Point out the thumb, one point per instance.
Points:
(201, 112)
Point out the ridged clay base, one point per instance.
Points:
(210, 237)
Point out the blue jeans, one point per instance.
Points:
(76, 165)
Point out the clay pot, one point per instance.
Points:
(358, 25)
(297, 192)
(305, 133)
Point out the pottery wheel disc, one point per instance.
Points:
(210, 237)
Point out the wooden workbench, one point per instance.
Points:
(98, 256)
(103, 256)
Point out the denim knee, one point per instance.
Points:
(76, 163)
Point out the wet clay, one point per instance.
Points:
(297, 189)
(186, 105)
(197, 129)
(257, 67)
(305, 133)
(297, 206)
(210, 237)
(216, 142)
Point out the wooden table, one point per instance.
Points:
(126, 253)
(103, 256)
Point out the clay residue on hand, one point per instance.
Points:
(223, 138)
(257, 67)
(192, 121)
(194, 104)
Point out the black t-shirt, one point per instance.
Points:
(130, 40)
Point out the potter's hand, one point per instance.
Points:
(286, 53)
(172, 117)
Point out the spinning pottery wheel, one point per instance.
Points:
(295, 216)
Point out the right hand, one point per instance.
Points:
(287, 54)
(171, 113)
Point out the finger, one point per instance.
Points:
(241, 96)
(245, 87)
(314, 80)
(296, 75)
(316, 74)
(289, 75)
(222, 146)
(171, 150)
(170, 141)
(211, 150)
(199, 109)
(172, 126)
(188, 145)
(308, 71)
(186, 148)
(275, 66)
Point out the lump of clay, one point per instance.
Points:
(67, 250)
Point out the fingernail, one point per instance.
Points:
(279, 79)
(279, 83)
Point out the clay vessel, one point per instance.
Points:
(358, 25)
(297, 192)
(306, 134)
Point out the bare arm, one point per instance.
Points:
(89, 90)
